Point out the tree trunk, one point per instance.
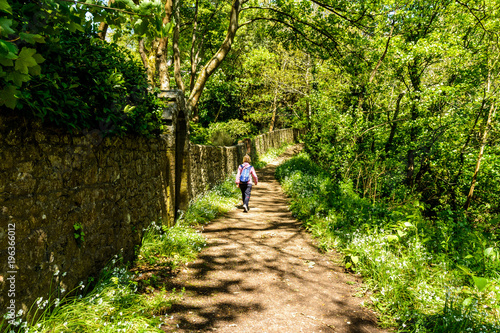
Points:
(162, 64)
(162, 50)
(145, 62)
(275, 107)
(193, 53)
(216, 60)
(410, 157)
(103, 29)
(467, 141)
(480, 156)
(103, 26)
(176, 51)
(388, 144)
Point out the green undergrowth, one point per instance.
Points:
(425, 275)
(131, 298)
(113, 305)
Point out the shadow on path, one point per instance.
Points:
(261, 273)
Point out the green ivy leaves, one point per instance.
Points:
(5, 27)
(25, 64)
(7, 50)
(25, 60)
(8, 96)
(17, 61)
(31, 38)
(20, 38)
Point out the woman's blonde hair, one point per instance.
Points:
(247, 158)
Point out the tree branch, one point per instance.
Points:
(216, 60)
(471, 11)
(336, 12)
(320, 31)
(294, 29)
(104, 7)
(372, 76)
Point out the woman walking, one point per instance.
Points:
(244, 177)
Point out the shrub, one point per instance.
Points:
(198, 134)
(87, 83)
(235, 128)
(220, 137)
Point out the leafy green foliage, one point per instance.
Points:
(220, 137)
(233, 129)
(170, 246)
(274, 83)
(53, 70)
(24, 26)
(403, 113)
(198, 134)
(79, 234)
(221, 97)
(427, 277)
(221, 133)
(145, 17)
(212, 203)
(90, 84)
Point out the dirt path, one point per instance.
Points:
(261, 273)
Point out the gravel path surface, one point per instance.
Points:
(262, 273)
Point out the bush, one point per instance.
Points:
(87, 83)
(220, 137)
(235, 128)
(198, 134)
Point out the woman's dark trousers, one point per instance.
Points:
(246, 189)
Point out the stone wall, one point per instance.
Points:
(210, 165)
(51, 182)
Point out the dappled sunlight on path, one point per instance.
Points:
(261, 273)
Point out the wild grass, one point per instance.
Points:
(427, 275)
(172, 246)
(113, 305)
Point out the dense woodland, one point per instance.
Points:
(398, 100)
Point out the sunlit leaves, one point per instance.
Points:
(25, 60)
(145, 18)
(31, 38)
